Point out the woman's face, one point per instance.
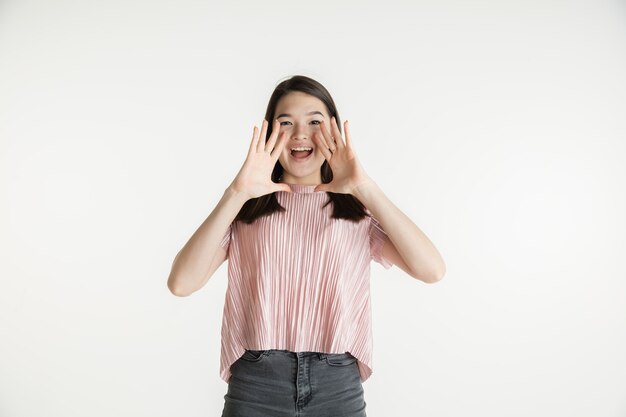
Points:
(299, 115)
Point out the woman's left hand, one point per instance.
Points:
(347, 171)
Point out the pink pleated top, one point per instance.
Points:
(300, 280)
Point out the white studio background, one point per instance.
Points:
(498, 126)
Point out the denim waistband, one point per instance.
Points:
(320, 355)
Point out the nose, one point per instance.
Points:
(301, 131)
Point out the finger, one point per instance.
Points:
(326, 135)
(272, 139)
(328, 144)
(317, 134)
(332, 142)
(321, 187)
(261, 143)
(281, 142)
(337, 133)
(283, 187)
(319, 141)
(253, 142)
(346, 128)
(332, 146)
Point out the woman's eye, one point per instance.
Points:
(316, 122)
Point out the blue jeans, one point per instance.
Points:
(281, 383)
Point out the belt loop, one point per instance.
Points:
(321, 355)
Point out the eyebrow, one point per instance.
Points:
(309, 113)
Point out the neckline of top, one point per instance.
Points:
(302, 188)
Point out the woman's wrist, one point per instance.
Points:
(231, 193)
(362, 188)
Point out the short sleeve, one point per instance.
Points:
(225, 242)
(377, 239)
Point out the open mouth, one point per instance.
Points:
(302, 153)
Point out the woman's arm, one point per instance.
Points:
(196, 262)
(202, 255)
(408, 247)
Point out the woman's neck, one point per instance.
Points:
(288, 179)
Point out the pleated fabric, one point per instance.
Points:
(300, 280)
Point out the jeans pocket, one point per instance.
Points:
(340, 359)
(254, 355)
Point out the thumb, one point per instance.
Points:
(283, 187)
(321, 187)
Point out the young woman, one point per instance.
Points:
(300, 224)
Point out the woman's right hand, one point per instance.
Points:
(255, 176)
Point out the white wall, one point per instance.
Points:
(497, 126)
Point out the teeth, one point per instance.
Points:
(302, 148)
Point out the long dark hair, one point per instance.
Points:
(345, 206)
